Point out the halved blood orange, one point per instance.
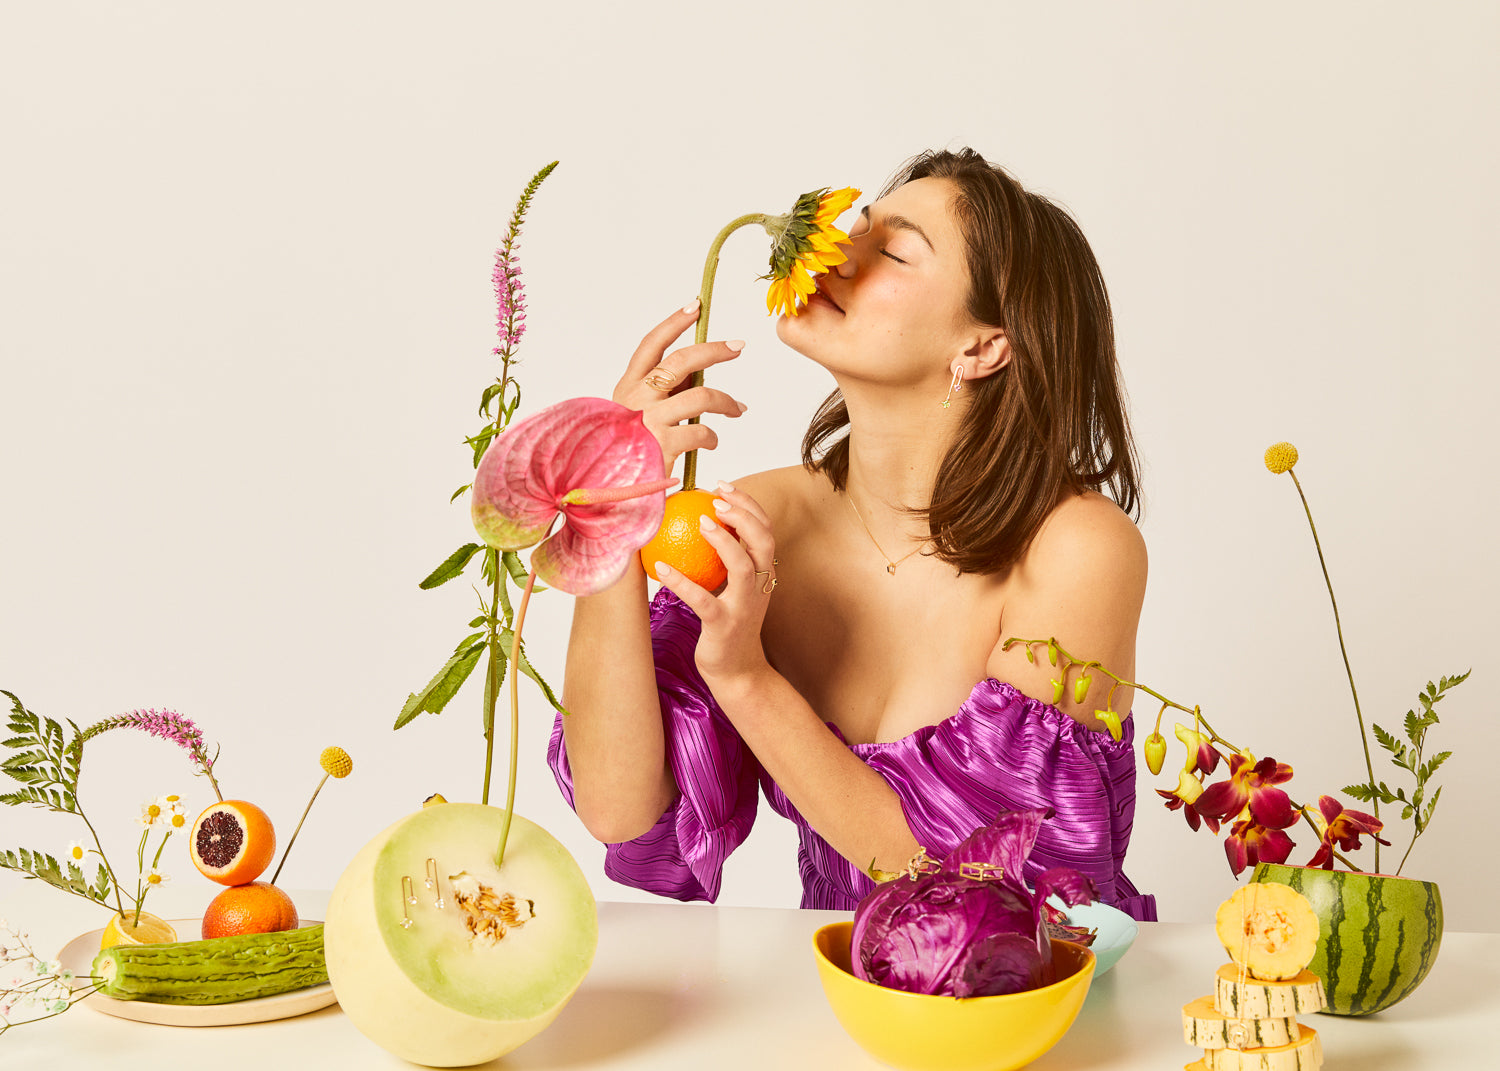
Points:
(256, 907)
(232, 842)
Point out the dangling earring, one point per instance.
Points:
(956, 384)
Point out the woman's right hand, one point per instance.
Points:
(658, 384)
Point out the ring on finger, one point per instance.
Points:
(770, 581)
(661, 378)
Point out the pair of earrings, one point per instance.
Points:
(409, 895)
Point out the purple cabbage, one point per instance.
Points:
(967, 926)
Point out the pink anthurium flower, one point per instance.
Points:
(1342, 826)
(1253, 784)
(588, 459)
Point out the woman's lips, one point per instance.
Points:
(819, 296)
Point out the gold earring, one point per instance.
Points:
(956, 384)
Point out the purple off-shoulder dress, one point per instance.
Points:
(1001, 751)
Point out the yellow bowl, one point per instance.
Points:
(919, 1032)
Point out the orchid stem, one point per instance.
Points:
(1364, 739)
(515, 715)
(706, 297)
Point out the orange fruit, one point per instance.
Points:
(680, 543)
(256, 907)
(232, 842)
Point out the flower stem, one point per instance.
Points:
(99, 848)
(515, 715)
(1364, 739)
(492, 669)
(706, 296)
(288, 849)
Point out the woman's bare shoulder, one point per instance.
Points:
(783, 491)
(1083, 581)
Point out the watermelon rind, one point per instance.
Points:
(1380, 933)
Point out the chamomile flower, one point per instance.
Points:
(156, 877)
(153, 813)
(76, 851)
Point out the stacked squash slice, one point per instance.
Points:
(1250, 1021)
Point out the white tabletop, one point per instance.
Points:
(686, 986)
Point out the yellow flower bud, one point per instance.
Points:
(1057, 692)
(1280, 457)
(1155, 749)
(1081, 687)
(336, 762)
(1111, 721)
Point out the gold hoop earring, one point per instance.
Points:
(956, 384)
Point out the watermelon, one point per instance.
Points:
(1379, 934)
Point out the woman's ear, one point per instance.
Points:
(989, 352)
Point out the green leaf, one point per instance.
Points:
(454, 496)
(530, 671)
(468, 641)
(453, 565)
(1412, 726)
(492, 688)
(518, 571)
(1362, 792)
(478, 621)
(1406, 812)
(444, 685)
(45, 868)
(487, 397)
(1430, 766)
(481, 442)
(1432, 804)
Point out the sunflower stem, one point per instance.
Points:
(515, 716)
(706, 297)
(1364, 738)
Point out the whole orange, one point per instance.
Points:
(680, 543)
(257, 907)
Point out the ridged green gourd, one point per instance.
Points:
(222, 970)
(1380, 934)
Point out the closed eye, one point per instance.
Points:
(888, 253)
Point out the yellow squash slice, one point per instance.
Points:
(1269, 929)
(1255, 999)
(1206, 1027)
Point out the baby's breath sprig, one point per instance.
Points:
(29, 983)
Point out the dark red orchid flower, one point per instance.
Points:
(1343, 827)
(1251, 784)
(1250, 843)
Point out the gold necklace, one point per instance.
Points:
(890, 566)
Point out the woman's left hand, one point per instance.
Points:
(729, 647)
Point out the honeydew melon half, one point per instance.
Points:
(434, 992)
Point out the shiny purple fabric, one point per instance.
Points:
(1001, 750)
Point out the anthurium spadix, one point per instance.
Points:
(589, 460)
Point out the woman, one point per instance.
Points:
(854, 660)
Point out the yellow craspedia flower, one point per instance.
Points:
(1280, 457)
(336, 762)
(804, 243)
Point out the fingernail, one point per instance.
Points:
(706, 523)
(743, 408)
(692, 306)
(663, 570)
(726, 487)
(736, 344)
(720, 506)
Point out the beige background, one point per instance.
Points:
(244, 274)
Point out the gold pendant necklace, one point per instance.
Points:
(890, 566)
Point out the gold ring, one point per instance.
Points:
(762, 573)
(770, 587)
(661, 378)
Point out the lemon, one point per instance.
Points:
(125, 931)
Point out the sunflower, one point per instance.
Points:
(805, 243)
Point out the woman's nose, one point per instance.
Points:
(847, 269)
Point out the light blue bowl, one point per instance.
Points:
(1115, 932)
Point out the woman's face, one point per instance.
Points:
(895, 312)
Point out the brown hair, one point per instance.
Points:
(1053, 419)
